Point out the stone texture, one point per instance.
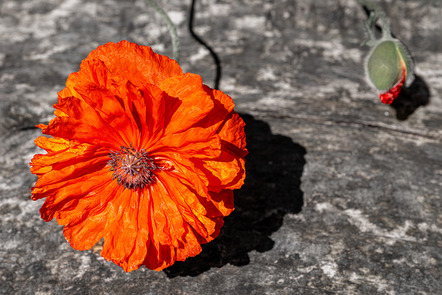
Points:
(343, 193)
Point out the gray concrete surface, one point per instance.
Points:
(343, 193)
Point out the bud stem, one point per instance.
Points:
(376, 12)
(171, 27)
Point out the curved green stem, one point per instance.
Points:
(377, 13)
(171, 27)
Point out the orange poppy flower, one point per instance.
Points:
(141, 155)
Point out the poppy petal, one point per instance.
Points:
(195, 103)
(140, 63)
(83, 124)
(127, 235)
(91, 217)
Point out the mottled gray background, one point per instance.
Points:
(343, 193)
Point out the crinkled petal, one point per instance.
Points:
(83, 124)
(151, 109)
(195, 103)
(90, 217)
(93, 86)
(233, 135)
(194, 142)
(127, 234)
(64, 196)
(140, 63)
(225, 172)
(73, 161)
(181, 167)
(189, 206)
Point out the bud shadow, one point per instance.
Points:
(272, 189)
(411, 98)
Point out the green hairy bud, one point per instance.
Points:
(386, 63)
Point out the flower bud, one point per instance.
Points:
(388, 67)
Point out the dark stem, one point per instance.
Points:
(201, 41)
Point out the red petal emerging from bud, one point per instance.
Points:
(389, 96)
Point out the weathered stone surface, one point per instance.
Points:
(343, 193)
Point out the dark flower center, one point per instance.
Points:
(131, 168)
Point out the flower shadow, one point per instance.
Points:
(272, 189)
(411, 98)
